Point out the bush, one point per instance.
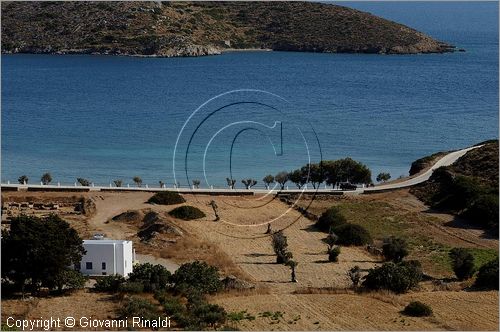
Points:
(138, 307)
(132, 287)
(70, 279)
(152, 277)
(210, 314)
(280, 247)
(398, 278)
(487, 277)
(417, 309)
(172, 305)
(333, 254)
(394, 249)
(109, 283)
(330, 219)
(352, 235)
(187, 212)
(462, 263)
(166, 198)
(198, 276)
(354, 275)
(83, 182)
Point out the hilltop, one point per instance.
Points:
(467, 188)
(202, 28)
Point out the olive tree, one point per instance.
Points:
(249, 183)
(268, 180)
(137, 180)
(46, 178)
(23, 179)
(281, 178)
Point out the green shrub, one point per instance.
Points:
(280, 247)
(187, 212)
(487, 277)
(417, 309)
(333, 254)
(198, 276)
(462, 263)
(70, 279)
(394, 249)
(352, 235)
(211, 315)
(330, 219)
(398, 278)
(132, 287)
(109, 283)
(166, 198)
(152, 277)
(139, 307)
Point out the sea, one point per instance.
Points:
(247, 114)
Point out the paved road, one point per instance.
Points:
(446, 160)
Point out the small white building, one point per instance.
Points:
(107, 257)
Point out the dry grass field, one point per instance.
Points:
(322, 299)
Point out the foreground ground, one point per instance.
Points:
(321, 300)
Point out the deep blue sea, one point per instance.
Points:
(106, 118)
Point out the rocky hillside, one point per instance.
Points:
(468, 188)
(202, 28)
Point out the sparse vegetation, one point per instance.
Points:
(46, 178)
(111, 283)
(137, 180)
(398, 278)
(417, 309)
(23, 179)
(352, 235)
(333, 254)
(230, 183)
(196, 276)
(139, 307)
(383, 177)
(354, 275)
(395, 249)
(280, 247)
(268, 180)
(462, 262)
(249, 183)
(166, 198)
(281, 178)
(83, 182)
(292, 264)
(187, 212)
(152, 277)
(330, 219)
(487, 277)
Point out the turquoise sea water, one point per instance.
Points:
(106, 118)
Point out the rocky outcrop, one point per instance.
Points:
(172, 29)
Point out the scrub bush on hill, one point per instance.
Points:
(196, 276)
(187, 213)
(152, 277)
(462, 262)
(111, 283)
(395, 249)
(139, 307)
(398, 278)
(487, 277)
(417, 309)
(352, 235)
(330, 219)
(166, 198)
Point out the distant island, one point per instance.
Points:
(170, 29)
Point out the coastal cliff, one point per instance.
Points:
(169, 29)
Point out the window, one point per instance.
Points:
(104, 265)
(88, 265)
(104, 273)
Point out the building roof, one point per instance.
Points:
(105, 241)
